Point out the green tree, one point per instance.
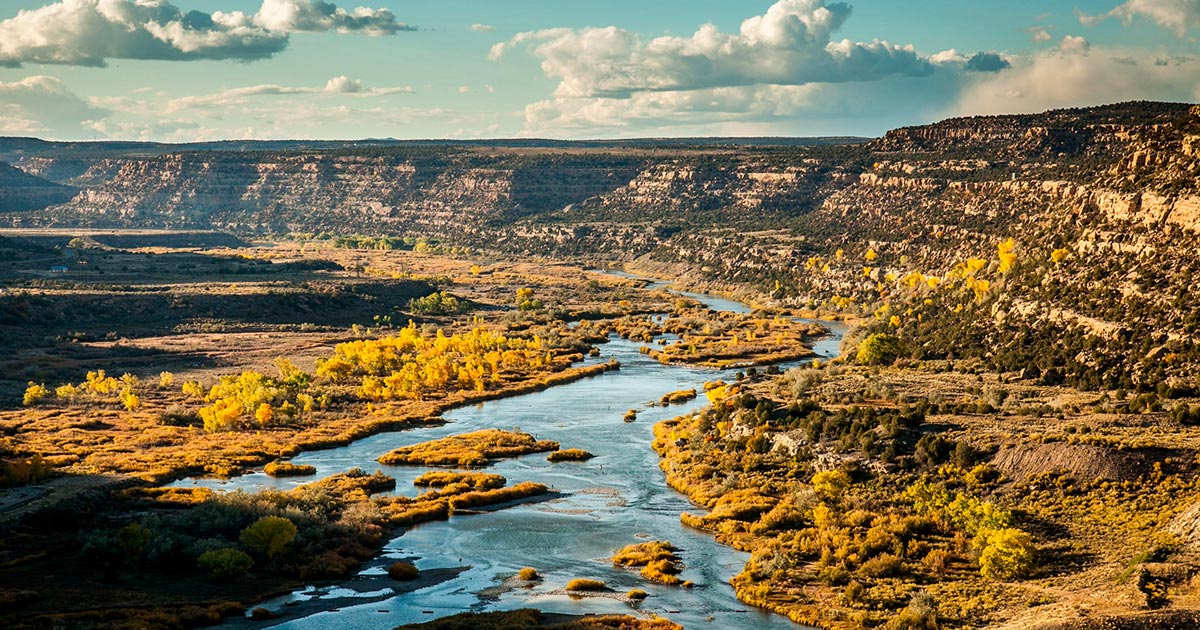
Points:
(269, 535)
(879, 349)
(225, 564)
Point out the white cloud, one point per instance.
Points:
(1175, 15)
(1054, 79)
(43, 105)
(791, 44)
(1074, 45)
(464, 89)
(90, 32)
(947, 56)
(483, 28)
(316, 15)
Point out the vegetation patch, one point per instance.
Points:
(468, 450)
(658, 560)
(569, 455)
(288, 469)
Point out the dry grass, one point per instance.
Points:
(469, 450)
(569, 455)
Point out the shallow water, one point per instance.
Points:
(617, 498)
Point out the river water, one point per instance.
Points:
(615, 499)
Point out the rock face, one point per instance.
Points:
(1133, 162)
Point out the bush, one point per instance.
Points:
(830, 484)
(440, 303)
(269, 535)
(879, 349)
(1008, 554)
(35, 394)
(637, 594)
(225, 564)
(920, 614)
(403, 571)
(528, 574)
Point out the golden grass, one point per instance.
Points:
(288, 469)
(479, 481)
(657, 559)
(569, 455)
(469, 450)
(586, 584)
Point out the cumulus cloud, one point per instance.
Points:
(1054, 79)
(43, 105)
(986, 62)
(791, 44)
(90, 32)
(1175, 15)
(316, 15)
(1074, 45)
(483, 28)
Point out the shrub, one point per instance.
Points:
(830, 484)
(1008, 554)
(35, 394)
(178, 416)
(637, 594)
(937, 561)
(884, 565)
(403, 571)
(226, 563)
(528, 574)
(879, 349)
(440, 303)
(584, 584)
(268, 535)
(920, 614)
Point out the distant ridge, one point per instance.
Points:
(15, 148)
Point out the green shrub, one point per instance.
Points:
(879, 349)
(225, 564)
(268, 535)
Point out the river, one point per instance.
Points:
(615, 499)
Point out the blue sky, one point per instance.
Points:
(181, 70)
